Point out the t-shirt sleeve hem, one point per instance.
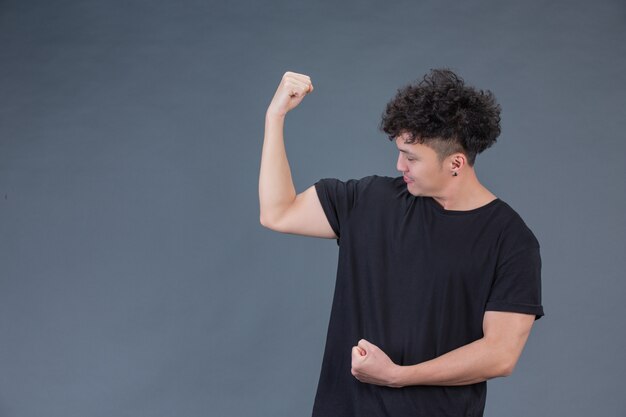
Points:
(537, 310)
(320, 188)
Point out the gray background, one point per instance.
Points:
(135, 278)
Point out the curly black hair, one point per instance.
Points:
(444, 113)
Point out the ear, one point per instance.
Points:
(456, 161)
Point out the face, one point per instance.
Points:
(421, 168)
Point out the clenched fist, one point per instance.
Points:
(291, 90)
(371, 365)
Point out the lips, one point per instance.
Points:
(408, 181)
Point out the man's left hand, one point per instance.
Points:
(371, 365)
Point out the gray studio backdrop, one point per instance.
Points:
(135, 278)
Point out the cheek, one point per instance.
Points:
(416, 171)
(423, 175)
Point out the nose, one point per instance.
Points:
(400, 165)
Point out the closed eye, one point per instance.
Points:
(406, 156)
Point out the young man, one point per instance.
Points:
(438, 282)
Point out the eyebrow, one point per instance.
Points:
(407, 152)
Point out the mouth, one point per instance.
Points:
(408, 181)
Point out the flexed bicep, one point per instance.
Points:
(305, 216)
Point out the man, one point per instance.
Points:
(438, 282)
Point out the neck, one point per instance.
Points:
(464, 192)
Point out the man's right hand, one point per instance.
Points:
(290, 92)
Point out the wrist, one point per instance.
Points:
(274, 114)
(398, 376)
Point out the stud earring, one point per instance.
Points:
(454, 174)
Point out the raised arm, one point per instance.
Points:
(280, 208)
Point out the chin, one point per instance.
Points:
(415, 193)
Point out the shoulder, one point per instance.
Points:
(370, 183)
(515, 233)
(382, 184)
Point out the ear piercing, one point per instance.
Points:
(454, 174)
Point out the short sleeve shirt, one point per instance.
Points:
(415, 280)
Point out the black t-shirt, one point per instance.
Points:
(415, 280)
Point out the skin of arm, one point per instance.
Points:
(276, 189)
(281, 208)
(494, 355)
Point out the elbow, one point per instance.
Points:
(263, 218)
(507, 371)
(504, 357)
(506, 367)
(268, 223)
(264, 221)
(272, 219)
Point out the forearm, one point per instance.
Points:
(468, 364)
(276, 189)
